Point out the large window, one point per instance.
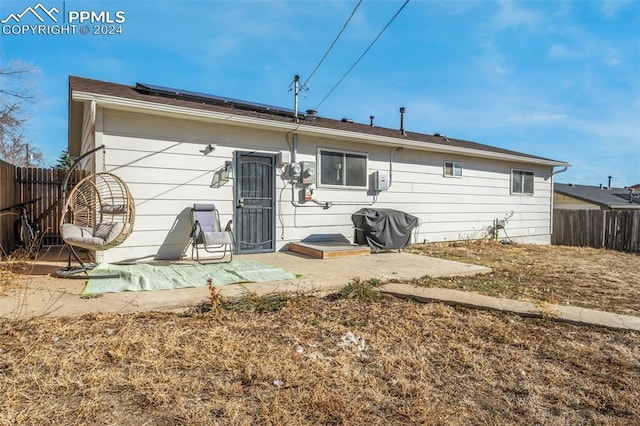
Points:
(521, 182)
(452, 169)
(345, 169)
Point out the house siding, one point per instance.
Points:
(561, 201)
(159, 159)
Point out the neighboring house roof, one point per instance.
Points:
(613, 198)
(246, 113)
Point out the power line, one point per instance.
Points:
(363, 53)
(332, 44)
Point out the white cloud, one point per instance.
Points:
(492, 63)
(586, 48)
(559, 51)
(537, 118)
(564, 7)
(512, 14)
(612, 57)
(220, 46)
(611, 8)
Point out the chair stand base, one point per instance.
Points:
(81, 272)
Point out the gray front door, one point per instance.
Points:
(255, 202)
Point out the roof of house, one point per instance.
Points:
(197, 101)
(613, 198)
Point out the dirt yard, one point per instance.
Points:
(353, 358)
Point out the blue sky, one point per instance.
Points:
(559, 79)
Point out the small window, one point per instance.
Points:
(452, 169)
(344, 169)
(521, 182)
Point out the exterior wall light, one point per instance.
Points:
(229, 170)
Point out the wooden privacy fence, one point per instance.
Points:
(611, 229)
(7, 198)
(24, 184)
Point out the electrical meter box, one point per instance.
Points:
(381, 180)
(294, 171)
(284, 158)
(308, 173)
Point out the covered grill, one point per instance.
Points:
(383, 229)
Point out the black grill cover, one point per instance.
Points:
(383, 229)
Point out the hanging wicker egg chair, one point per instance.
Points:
(99, 213)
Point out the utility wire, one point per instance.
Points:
(332, 44)
(363, 53)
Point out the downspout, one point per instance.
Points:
(294, 148)
(393, 151)
(554, 172)
(92, 131)
(92, 116)
(92, 127)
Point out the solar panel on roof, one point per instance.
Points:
(211, 99)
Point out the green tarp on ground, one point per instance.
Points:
(141, 277)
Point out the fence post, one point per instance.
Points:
(7, 198)
(604, 228)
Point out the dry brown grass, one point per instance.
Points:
(12, 273)
(599, 279)
(357, 357)
(317, 361)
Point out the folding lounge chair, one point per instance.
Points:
(207, 235)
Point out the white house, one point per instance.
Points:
(175, 148)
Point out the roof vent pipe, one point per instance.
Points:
(402, 120)
(372, 117)
(609, 187)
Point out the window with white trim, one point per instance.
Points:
(342, 169)
(521, 182)
(452, 169)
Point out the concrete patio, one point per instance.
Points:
(43, 294)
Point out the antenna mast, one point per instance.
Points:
(296, 91)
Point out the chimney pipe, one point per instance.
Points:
(609, 187)
(372, 117)
(402, 120)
